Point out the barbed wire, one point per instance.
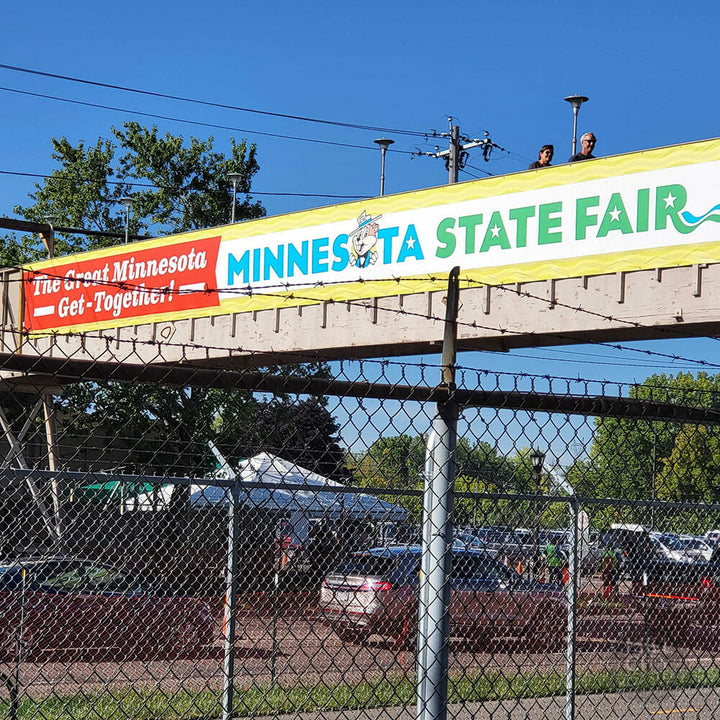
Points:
(286, 288)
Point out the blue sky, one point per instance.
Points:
(497, 67)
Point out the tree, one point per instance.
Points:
(182, 186)
(640, 459)
(399, 462)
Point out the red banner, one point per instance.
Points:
(123, 286)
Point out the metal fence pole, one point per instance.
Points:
(434, 629)
(231, 579)
(424, 586)
(571, 590)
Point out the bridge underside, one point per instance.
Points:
(678, 302)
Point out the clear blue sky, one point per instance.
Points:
(501, 67)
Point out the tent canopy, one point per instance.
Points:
(271, 470)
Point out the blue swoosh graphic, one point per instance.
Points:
(691, 219)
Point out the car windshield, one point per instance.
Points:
(367, 564)
(478, 566)
(671, 542)
(82, 577)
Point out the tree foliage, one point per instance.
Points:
(398, 462)
(175, 186)
(638, 459)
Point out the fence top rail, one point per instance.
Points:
(67, 371)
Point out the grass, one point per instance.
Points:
(145, 704)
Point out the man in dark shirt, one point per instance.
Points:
(587, 143)
(544, 157)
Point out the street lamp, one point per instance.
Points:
(575, 101)
(537, 458)
(127, 202)
(384, 144)
(234, 178)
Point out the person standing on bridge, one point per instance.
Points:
(587, 145)
(544, 157)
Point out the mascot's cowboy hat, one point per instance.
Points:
(363, 220)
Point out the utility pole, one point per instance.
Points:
(457, 153)
(453, 162)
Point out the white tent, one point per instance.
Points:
(300, 505)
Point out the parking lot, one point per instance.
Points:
(293, 646)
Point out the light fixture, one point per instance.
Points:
(575, 102)
(234, 178)
(537, 458)
(49, 237)
(384, 143)
(127, 202)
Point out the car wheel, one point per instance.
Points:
(356, 636)
(546, 631)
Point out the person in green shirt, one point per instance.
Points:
(554, 563)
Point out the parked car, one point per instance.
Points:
(70, 603)
(507, 544)
(681, 601)
(467, 540)
(375, 592)
(696, 548)
(670, 546)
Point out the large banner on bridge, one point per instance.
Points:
(657, 208)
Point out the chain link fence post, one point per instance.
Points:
(433, 638)
(571, 590)
(231, 583)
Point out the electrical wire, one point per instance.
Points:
(207, 103)
(286, 287)
(199, 123)
(168, 187)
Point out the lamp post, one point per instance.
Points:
(384, 144)
(575, 101)
(537, 458)
(127, 202)
(234, 178)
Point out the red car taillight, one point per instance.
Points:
(661, 596)
(707, 582)
(375, 586)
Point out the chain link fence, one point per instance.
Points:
(181, 543)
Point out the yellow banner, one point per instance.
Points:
(657, 208)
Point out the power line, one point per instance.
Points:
(200, 123)
(208, 103)
(168, 187)
(457, 153)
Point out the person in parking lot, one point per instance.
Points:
(554, 563)
(609, 572)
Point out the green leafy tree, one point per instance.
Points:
(175, 186)
(399, 462)
(638, 459)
